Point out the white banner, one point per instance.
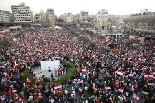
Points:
(52, 65)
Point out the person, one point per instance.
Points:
(52, 76)
(56, 73)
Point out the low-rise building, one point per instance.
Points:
(5, 16)
(40, 17)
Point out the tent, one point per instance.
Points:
(58, 27)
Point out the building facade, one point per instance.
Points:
(40, 17)
(84, 17)
(21, 13)
(50, 15)
(76, 18)
(67, 17)
(5, 16)
(102, 20)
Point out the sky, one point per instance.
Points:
(116, 7)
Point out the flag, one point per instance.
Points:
(57, 86)
(84, 70)
(107, 87)
(119, 73)
(28, 80)
(6, 30)
(107, 40)
(120, 90)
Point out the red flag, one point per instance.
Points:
(107, 38)
(6, 30)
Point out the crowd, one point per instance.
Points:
(119, 75)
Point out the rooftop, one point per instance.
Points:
(140, 18)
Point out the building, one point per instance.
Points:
(101, 15)
(76, 18)
(67, 17)
(64, 17)
(140, 29)
(40, 17)
(5, 16)
(116, 23)
(102, 20)
(21, 13)
(50, 18)
(84, 17)
(50, 15)
(32, 16)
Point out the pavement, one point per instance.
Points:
(46, 73)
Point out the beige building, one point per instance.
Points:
(50, 15)
(84, 16)
(101, 21)
(40, 17)
(67, 17)
(76, 18)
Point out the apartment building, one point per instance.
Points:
(50, 16)
(84, 17)
(102, 20)
(21, 13)
(40, 17)
(5, 16)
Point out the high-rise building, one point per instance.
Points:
(21, 13)
(5, 16)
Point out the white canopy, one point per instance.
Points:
(58, 27)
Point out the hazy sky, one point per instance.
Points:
(118, 7)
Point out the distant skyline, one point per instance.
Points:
(116, 7)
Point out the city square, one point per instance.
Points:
(82, 58)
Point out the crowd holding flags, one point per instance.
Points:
(107, 40)
(5, 30)
(131, 71)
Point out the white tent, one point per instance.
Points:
(58, 27)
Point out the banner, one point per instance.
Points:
(50, 65)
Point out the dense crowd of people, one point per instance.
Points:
(117, 75)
